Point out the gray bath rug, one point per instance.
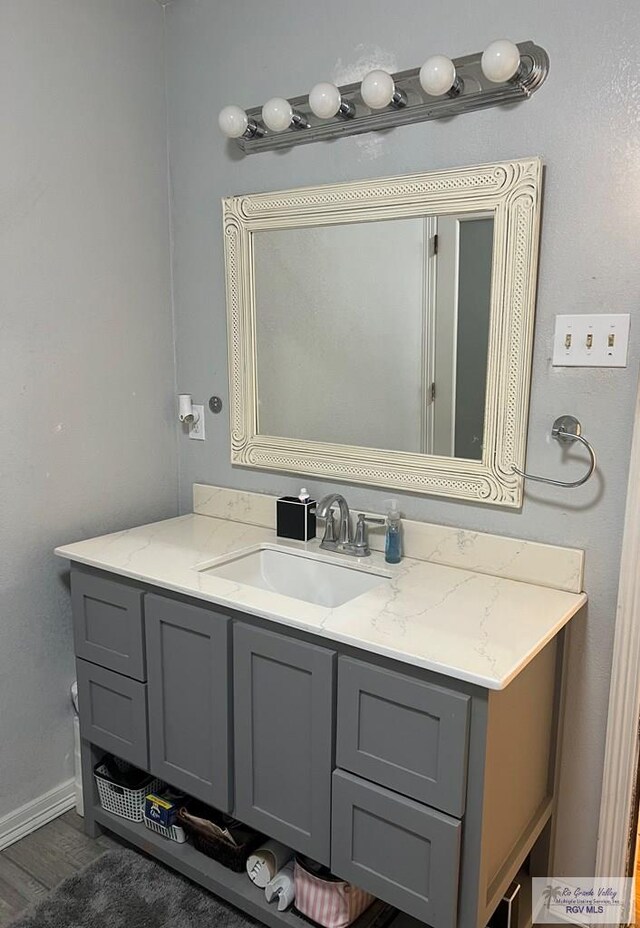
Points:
(123, 889)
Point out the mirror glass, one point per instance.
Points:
(375, 334)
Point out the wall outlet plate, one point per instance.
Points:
(591, 340)
(196, 428)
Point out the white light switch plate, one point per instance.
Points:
(196, 429)
(591, 341)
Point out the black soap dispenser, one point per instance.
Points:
(296, 517)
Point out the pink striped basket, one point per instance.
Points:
(327, 900)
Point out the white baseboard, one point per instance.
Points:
(36, 813)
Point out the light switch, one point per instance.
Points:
(591, 341)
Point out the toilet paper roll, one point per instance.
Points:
(265, 862)
(281, 888)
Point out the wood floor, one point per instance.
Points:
(37, 863)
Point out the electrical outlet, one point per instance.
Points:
(591, 341)
(196, 428)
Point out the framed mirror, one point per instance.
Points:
(381, 332)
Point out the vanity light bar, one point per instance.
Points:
(503, 73)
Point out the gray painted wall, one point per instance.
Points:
(86, 347)
(585, 123)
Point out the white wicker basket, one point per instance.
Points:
(173, 832)
(128, 803)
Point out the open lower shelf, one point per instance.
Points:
(235, 888)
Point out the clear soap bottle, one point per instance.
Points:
(393, 537)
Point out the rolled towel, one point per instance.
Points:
(282, 887)
(266, 860)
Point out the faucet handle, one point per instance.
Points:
(329, 536)
(361, 530)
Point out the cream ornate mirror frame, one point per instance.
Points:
(511, 192)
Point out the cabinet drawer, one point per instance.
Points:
(108, 624)
(403, 733)
(113, 712)
(399, 850)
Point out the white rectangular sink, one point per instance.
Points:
(298, 574)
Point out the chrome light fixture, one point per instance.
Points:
(441, 88)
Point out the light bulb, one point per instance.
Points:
(437, 75)
(377, 89)
(233, 121)
(277, 114)
(500, 61)
(325, 100)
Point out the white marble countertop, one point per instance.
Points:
(471, 626)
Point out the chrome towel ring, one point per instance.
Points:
(566, 429)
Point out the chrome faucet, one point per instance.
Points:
(345, 541)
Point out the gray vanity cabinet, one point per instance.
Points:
(426, 791)
(188, 653)
(284, 712)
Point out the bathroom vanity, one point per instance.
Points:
(406, 737)
(397, 723)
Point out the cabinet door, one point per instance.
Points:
(107, 623)
(399, 850)
(189, 696)
(113, 712)
(283, 698)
